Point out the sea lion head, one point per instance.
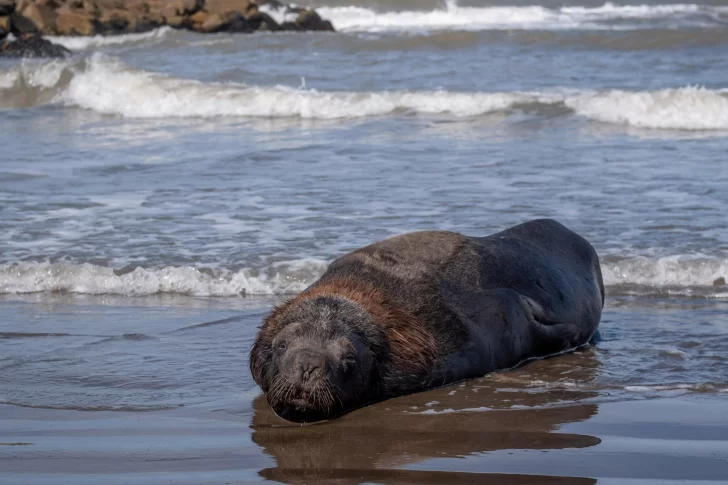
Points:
(315, 358)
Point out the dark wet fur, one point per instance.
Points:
(432, 308)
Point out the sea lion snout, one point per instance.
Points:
(308, 365)
(303, 389)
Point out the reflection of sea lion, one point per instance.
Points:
(423, 310)
(478, 418)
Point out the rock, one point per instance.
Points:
(32, 46)
(272, 3)
(298, 10)
(214, 23)
(227, 6)
(149, 21)
(229, 22)
(263, 22)
(90, 7)
(90, 17)
(180, 9)
(290, 26)
(184, 7)
(197, 19)
(108, 5)
(252, 10)
(74, 22)
(43, 17)
(310, 20)
(117, 21)
(6, 7)
(240, 25)
(4, 27)
(176, 21)
(21, 26)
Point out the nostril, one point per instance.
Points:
(309, 366)
(308, 371)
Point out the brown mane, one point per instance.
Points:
(412, 349)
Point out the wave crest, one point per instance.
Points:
(290, 277)
(453, 17)
(279, 278)
(106, 85)
(675, 271)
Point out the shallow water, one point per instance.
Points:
(151, 180)
(108, 389)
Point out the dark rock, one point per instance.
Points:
(292, 26)
(21, 26)
(310, 20)
(7, 7)
(263, 22)
(32, 46)
(272, 3)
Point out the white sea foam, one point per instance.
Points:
(680, 271)
(453, 17)
(701, 387)
(293, 276)
(281, 278)
(690, 108)
(33, 74)
(106, 85)
(81, 43)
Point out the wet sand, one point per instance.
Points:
(176, 404)
(653, 441)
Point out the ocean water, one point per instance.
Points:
(159, 192)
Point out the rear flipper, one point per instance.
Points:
(550, 336)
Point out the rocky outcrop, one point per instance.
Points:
(32, 46)
(106, 17)
(308, 20)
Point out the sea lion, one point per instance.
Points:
(423, 310)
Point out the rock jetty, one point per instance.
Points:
(28, 20)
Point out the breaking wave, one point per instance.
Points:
(106, 85)
(706, 274)
(279, 278)
(80, 43)
(453, 17)
(675, 271)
